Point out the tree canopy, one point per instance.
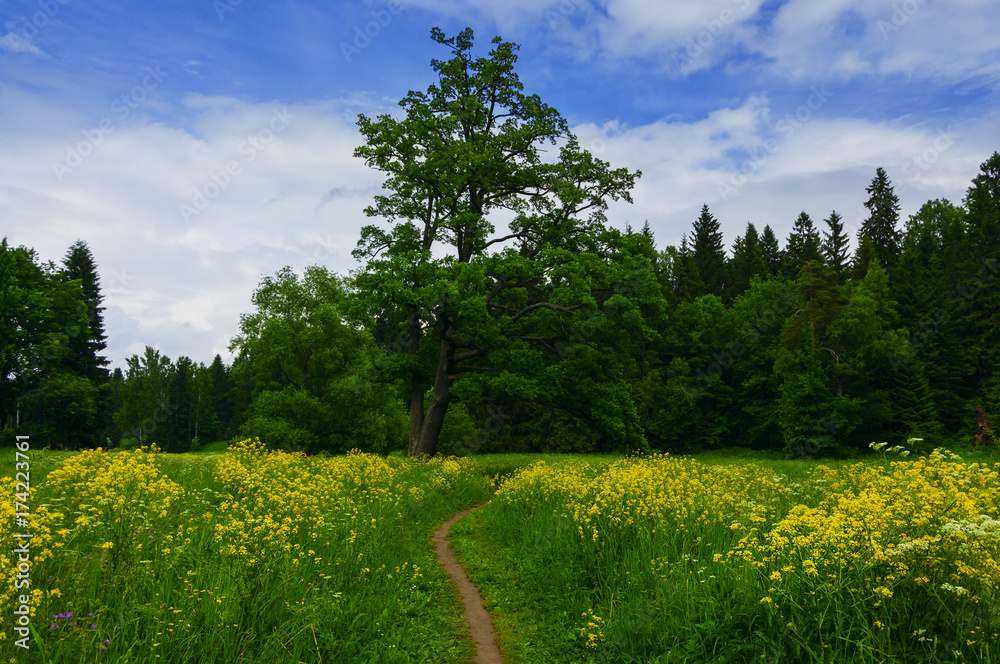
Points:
(469, 299)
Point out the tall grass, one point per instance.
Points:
(247, 556)
(664, 559)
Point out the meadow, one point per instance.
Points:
(668, 559)
(246, 555)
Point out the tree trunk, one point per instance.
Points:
(416, 413)
(438, 406)
(416, 389)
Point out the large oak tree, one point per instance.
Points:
(496, 250)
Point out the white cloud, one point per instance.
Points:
(296, 194)
(15, 43)
(185, 282)
(917, 38)
(804, 39)
(746, 166)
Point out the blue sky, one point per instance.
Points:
(197, 146)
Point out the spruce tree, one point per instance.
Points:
(687, 285)
(835, 248)
(86, 359)
(879, 239)
(648, 232)
(773, 256)
(979, 290)
(709, 253)
(747, 262)
(803, 246)
(178, 429)
(222, 399)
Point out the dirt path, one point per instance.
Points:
(480, 622)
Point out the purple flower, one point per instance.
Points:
(93, 627)
(68, 615)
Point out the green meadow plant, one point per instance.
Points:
(664, 559)
(244, 556)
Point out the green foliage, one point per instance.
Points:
(747, 262)
(878, 238)
(803, 245)
(470, 304)
(835, 246)
(43, 326)
(79, 265)
(709, 253)
(63, 410)
(313, 378)
(774, 257)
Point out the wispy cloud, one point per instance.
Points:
(13, 42)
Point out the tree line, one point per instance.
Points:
(556, 332)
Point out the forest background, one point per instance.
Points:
(806, 348)
(566, 335)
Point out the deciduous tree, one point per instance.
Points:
(475, 300)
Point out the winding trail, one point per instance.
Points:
(479, 620)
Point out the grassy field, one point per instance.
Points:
(241, 555)
(238, 557)
(667, 559)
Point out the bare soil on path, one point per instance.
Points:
(479, 620)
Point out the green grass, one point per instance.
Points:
(168, 588)
(665, 598)
(537, 575)
(213, 447)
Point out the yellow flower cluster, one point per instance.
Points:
(97, 499)
(648, 497)
(592, 633)
(278, 506)
(928, 521)
(879, 538)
